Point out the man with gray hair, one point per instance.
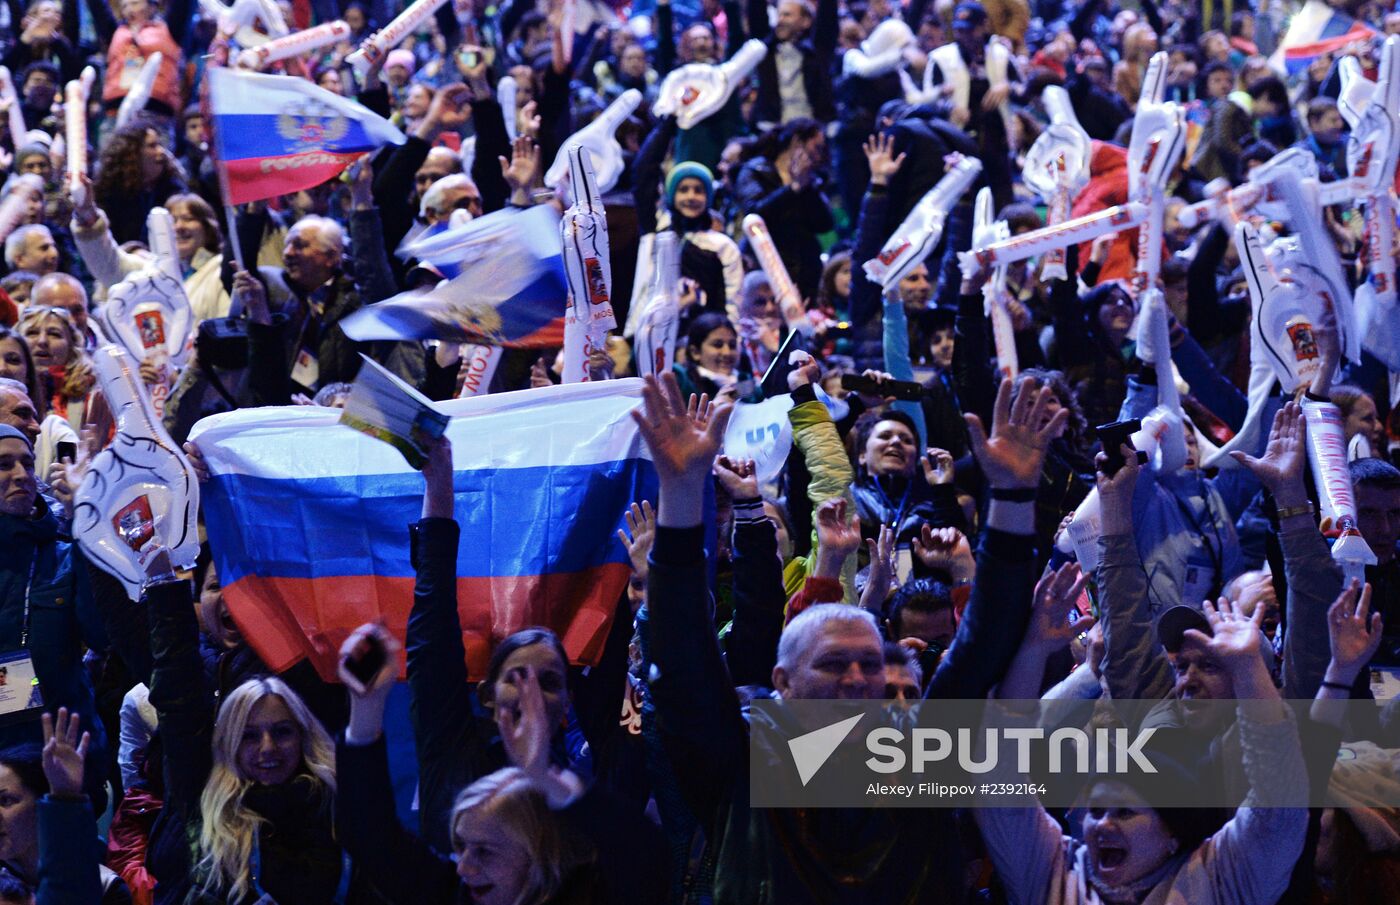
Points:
(450, 193)
(32, 248)
(45, 433)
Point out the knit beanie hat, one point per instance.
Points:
(686, 170)
(13, 433)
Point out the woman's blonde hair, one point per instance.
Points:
(228, 828)
(519, 812)
(79, 376)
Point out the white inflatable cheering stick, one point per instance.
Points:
(880, 53)
(1372, 156)
(1159, 139)
(659, 329)
(583, 233)
(784, 289)
(16, 115)
(1284, 313)
(75, 101)
(697, 91)
(505, 96)
(1057, 168)
(1257, 195)
(600, 138)
(985, 230)
(238, 20)
(916, 237)
(149, 314)
(140, 91)
(1310, 257)
(390, 36)
(1163, 434)
(139, 492)
(293, 45)
(160, 230)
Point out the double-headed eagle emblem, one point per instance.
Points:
(310, 124)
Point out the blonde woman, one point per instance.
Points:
(64, 369)
(249, 794)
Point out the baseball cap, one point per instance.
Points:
(969, 15)
(1173, 625)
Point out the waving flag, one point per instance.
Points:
(1316, 29)
(507, 288)
(308, 520)
(277, 134)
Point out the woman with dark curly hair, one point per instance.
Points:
(134, 174)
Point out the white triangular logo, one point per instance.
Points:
(813, 749)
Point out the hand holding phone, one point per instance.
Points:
(363, 658)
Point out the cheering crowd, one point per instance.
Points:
(913, 544)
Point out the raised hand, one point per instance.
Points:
(880, 580)
(1056, 596)
(64, 753)
(938, 466)
(809, 371)
(361, 643)
(84, 202)
(1235, 637)
(66, 477)
(196, 457)
(738, 477)
(253, 295)
(996, 95)
(879, 153)
(1281, 467)
(683, 439)
(837, 535)
(683, 442)
(688, 292)
(527, 121)
(524, 164)
(1012, 457)
(525, 729)
(1098, 251)
(639, 536)
(1352, 637)
(944, 549)
(1116, 492)
(700, 409)
(539, 374)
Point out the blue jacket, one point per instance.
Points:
(62, 619)
(1185, 522)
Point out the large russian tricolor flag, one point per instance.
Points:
(1314, 30)
(308, 520)
(278, 134)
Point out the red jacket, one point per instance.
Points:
(1108, 185)
(127, 839)
(125, 56)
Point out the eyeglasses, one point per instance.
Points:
(467, 202)
(427, 178)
